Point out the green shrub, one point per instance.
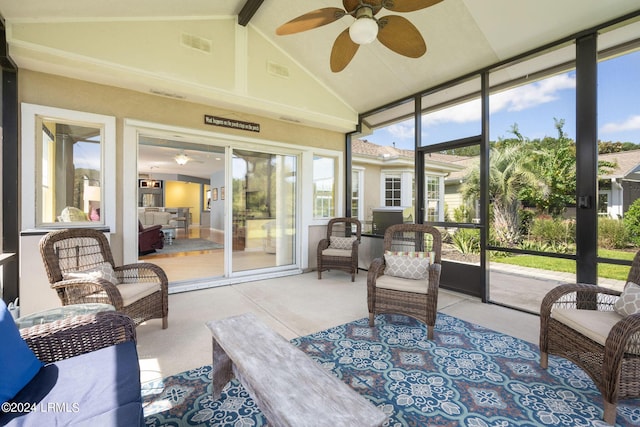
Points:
(526, 217)
(466, 240)
(553, 231)
(612, 234)
(461, 214)
(632, 222)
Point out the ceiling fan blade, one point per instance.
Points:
(401, 36)
(409, 5)
(308, 21)
(342, 52)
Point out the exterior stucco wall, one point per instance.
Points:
(60, 92)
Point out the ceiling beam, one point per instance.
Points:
(248, 10)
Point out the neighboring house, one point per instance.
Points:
(384, 176)
(620, 187)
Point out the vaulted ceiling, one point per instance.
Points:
(196, 50)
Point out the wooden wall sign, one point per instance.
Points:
(230, 123)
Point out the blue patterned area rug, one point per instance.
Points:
(469, 376)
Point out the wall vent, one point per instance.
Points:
(195, 42)
(168, 94)
(277, 70)
(290, 119)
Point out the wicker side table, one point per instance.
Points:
(59, 313)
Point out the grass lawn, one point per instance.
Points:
(609, 271)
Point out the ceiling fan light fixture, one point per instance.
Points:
(181, 159)
(365, 28)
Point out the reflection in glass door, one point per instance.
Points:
(263, 210)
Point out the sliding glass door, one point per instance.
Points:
(264, 187)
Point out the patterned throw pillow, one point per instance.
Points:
(102, 271)
(407, 267)
(428, 255)
(341, 242)
(629, 301)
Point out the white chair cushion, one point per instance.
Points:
(102, 271)
(629, 301)
(132, 292)
(399, 284)
(336, 242)
(406, 266)
(593, 324)
(337, 252)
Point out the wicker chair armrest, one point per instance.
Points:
(569, 295)
(84, 290)
(141, 272)
(78, 335)
(376, 269)
(624, 338)
(434, 277)
(323, 244)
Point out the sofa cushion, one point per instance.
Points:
(593, 324)
(337, 252)
(18, 364)
(132, 292)
(405, 285)
(155, 218)
(100, 388)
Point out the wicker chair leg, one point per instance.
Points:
(353, 277)
(610, 411)
(319, 274)
(371, 319)
(544, 359)
(430, 332)
(165, 322)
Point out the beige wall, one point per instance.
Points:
(60, 92)
(184, 195)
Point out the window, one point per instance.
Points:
(69, 168)
(324, 187)
(356, 194)
(432, 198)
(392, 191)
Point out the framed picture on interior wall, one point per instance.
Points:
(222, 193)
(214, 194)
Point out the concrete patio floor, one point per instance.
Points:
(293, 306)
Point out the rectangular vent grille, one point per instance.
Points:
(169, 94)
(196, 42)
(277, 70)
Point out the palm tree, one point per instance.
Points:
(508, 176)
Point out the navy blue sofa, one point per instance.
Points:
(89, 375)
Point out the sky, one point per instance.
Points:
(533, 108)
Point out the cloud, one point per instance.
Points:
(402, 130)
(516, 99)
(632, 123)
(532, 95)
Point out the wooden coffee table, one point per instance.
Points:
(289, 387)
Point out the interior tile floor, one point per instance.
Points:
(293, 306)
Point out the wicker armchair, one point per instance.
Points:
(339, 250)
(417, 298)
(605, 344)
(91, 367)
(73, 336)
(81, 269)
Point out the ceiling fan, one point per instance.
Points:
(393, 31)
